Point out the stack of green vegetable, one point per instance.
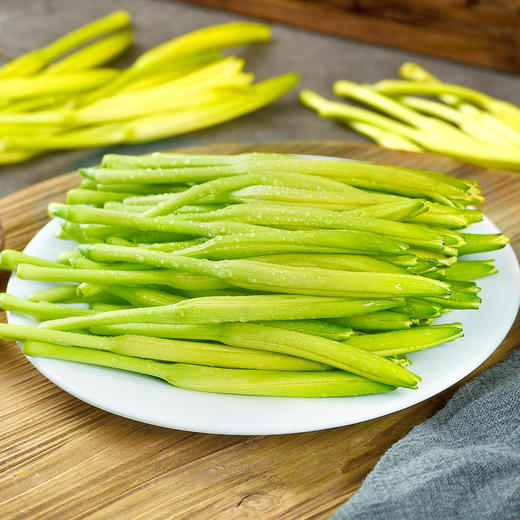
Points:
(258, 273)
(61, 96)
(459, 122)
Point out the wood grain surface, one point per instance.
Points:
(480, 32)
(63, 459)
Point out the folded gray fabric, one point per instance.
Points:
(463, 463)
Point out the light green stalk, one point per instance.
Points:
(177, 280)
(443, 139)
(408, 260)
(26, 105)
(375, 322)
(440, 258)
(209, 354)
(496, 128)
(457, 300)
(470, 270)
(181, 68)
(507, 112)
(314, 328)
(404, 341)
(94, 233)
(376, 100)
(166, 55)
(118, 221)
(142, 296)
(382, 344)
(98, 198)
(93, 55)
(16, 156)
(218, 309)
(139, 188)
(198, 87)
(54, 294)
(166, 167)
(105, 307)
(34, 61)
(418, 309)
(10, 259)
(225, 333)
(480, 243)
(41, 310)
(505, 134)
(287, 193)
(467, 120)
(303, 217)
(398, 211)
(332, 261)
(225, 184)
(191, 209)
(276, 278)
(169, 246)
(84, 263)
(321, 350)
(463, 286)
(14, 88)
(235, 102)
(391, 179)
(240, 232)
(173, 160)
(312, 241)
(332, 199)
(384, 138)
(221, 380)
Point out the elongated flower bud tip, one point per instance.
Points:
(291, 78)
(47, 324)
(405, 68)
(265, 31)
(4, 256)
(414, 72)
(83, 249)
(57, 209)
(342, 86)
(122, 15)
(87, 172)
(311, 99)
(476, 199)
(411, 382)
(306, 93)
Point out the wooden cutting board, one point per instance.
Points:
(479, 32)
(62, 458)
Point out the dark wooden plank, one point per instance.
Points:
(479, 33)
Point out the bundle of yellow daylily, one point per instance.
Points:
(62, 96)
(422, 113)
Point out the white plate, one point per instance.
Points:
(155, 402)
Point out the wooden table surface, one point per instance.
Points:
(62, 458)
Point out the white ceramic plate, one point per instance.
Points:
(155, 402)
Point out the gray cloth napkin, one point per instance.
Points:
(463, 463)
